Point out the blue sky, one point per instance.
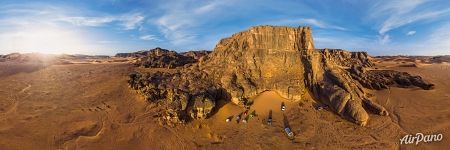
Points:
(382, 27)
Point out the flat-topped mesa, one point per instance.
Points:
(266, 58)
(283, 59)
(269, 37)
(260, 59)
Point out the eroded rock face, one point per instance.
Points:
(262, 58)
(347, 58)
(281, 59)
(162, 58)
(382, 79)
(196, 54)
(186, 94)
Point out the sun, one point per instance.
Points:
(44, 39)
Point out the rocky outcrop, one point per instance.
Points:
(347, 58)
(264, 58)
(196, 54)
(162, 58)
(440, 59)
(138, 54)
(382, 79)
(375, 108)
(283, 59)
(186, 94)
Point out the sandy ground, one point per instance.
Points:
(89, 106)
(420, 111)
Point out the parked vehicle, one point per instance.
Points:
(289, 133)
(269, 118)
(269, 121)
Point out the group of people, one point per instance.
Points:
(244, 116)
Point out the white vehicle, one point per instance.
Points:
(269, 121)
(319, 108)
(289, 133)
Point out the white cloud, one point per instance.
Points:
(128, 21)
(401, 20)
(320, 24)
(437, 43)
(131, 21)
(24, 30)
(179, 19)
(394, 7)
(410, 33)
(395, 14)
(307, 21)
(345, 42)
(88, 21)
(384, 39)
(208, 7)
(149, 37)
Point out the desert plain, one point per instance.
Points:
(86, 104)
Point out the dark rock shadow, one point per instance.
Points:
(222, 98)
(286, 122)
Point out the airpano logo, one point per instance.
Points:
(420, 137)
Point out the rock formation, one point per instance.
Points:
(382, 79)
(265, 58)
(284, 60)
(187, 94)
(346, 58)
(162, 58)
(440, 59)
(196, 54)
(138, 54)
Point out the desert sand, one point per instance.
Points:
(89, 106)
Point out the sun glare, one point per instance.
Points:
(45, 39)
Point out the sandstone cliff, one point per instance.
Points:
(266, 58)
(283, 59)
